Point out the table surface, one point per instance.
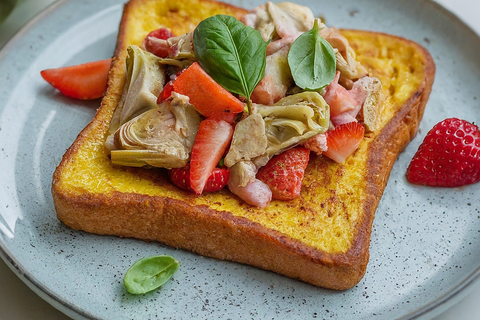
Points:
(17, 301)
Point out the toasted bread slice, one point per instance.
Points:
(322, 237)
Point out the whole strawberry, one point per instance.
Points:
(448, 157)
(284, 173)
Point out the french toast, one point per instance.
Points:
(322, 237)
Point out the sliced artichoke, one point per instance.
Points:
(290, 16)
(249, 140)
(279, 20)
(272, 129)
(145, 78)
(347, 64)
(161, 137)
(291, 121)
(141, 158)
(181, 47)
(179, 63)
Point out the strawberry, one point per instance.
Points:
(166, 92)
(208, 97)
(168, 88)
(162, 33)
(449, 156)
(154, 42)
(212, 139)
(216, 181)
(85, 81)
(284, 173)
(181, 177)
(344, 140)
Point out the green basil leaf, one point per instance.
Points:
(312, 60)
(231, 53)
(149, 273)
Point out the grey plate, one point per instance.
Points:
(425, 242)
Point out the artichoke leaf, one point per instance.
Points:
(296, 125)
(291, 112)
(351, 68)
(180, 63)
(141, 158)
(144, 80)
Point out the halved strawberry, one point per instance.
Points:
(85, 81)
(344, 140)
(216, 181)
(284, 173)
(208, 97)
(212, 139)
(449, 156)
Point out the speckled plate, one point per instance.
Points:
(425, 242)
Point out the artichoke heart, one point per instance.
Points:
(249, 140)
(347, 64)
(274, 21)
(272, 129)
(291, 121)
(144, 80)
(159, 137)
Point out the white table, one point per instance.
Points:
(18, 302)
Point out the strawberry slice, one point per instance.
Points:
(85, 81)
(216, 181)
(166, 92)
(208, 97)
(343, 141)
(449, 156)
(168, 88)
(211, 142)
(155, 42)
(284, 173)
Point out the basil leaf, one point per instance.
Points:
(231, 53)
(149, 273)
(312, 60)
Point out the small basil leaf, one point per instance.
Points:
(312, 60)
(149, 273)
(231, 53)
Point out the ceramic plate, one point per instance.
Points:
(425, 242)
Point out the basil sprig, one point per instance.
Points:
(231, 53)
(312, 60)
(149, 273)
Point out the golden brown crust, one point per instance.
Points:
(222, 234)
(207, 232)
